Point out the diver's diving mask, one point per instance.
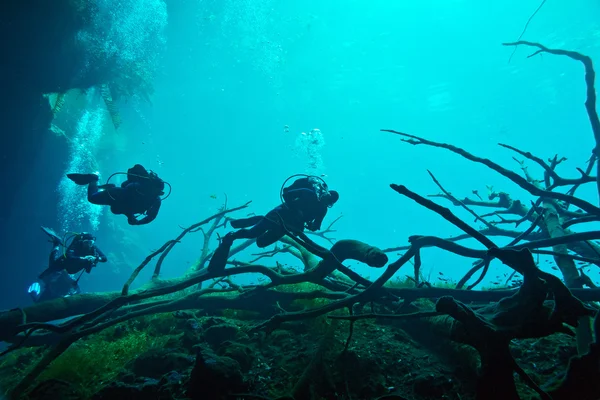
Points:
(87, 239)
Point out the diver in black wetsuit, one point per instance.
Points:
(57, 280)
(305, 205)
(139, 194)
(82, 254)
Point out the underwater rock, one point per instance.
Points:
(295, 327)
(189, 340)
(157, 362)
(431, 386)
(212, 321)
(213, 377)
(241, 353)
(545, 353)
(54, 389)
(144, 388)
(183, 314)
(172, 342)
(192, 324)
(171, 383)
(281, 337)
(185, 322)
(120, 331)
(217, 334)
(172, 378)
(126, 377)
(364, 374)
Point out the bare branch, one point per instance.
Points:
(386, 316)
(271, 253)
(519, 180)
(558, 180)
(143, 264)
(590, 102)
(525, 27)
(495, 231)
(192, 228)
(581, 220)
(323, 233)
(445, 213)
(458, 202)
(470, 202)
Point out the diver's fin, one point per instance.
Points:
(82, 179)
(55, 239)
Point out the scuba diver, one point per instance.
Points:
(138, 195)
(304, 205)
(58, 279)
(81, 254)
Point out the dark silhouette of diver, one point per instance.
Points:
(65, 261)
(139, 194)
(304, 205)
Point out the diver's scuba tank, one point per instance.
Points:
(148, 178)
(316, 185)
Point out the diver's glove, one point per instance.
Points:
(311, 226)
(90, 259)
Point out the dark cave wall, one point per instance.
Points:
(39, 50)
(31, 163)
(38, 56)
(31, 167)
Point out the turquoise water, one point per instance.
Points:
(238, 83)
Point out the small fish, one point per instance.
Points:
(441, 273)
(286, 128)
(213, 196)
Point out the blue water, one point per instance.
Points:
(238, 82)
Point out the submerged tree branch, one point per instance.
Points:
(519, 180)
(192, 228)
(590, 102)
